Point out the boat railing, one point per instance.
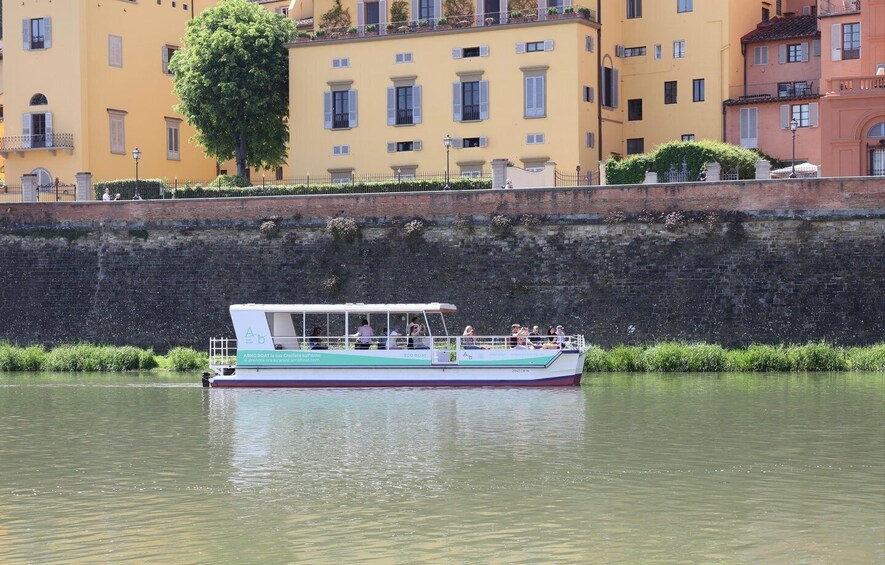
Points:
(222, 352)
(382, 342)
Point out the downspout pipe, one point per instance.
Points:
(599, 78)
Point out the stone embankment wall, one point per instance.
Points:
(730, 263)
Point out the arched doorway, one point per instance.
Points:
(44, 179)
(876, 148)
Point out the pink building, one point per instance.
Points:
(853, 69)
(782, 69)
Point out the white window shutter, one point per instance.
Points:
(805, 52)
(520, 48)
(399, 57)
(483, 141)
(540, 93)
(456, 101)
(785, 116)
(351, 99)
(416, 145)
(26, 34)
(26, 130)
(483, 50)
(588, 43)
(548, 45)
(48, 129)
(591, 139)
(782, 54)
(47, 33)
(457, 143)
(416, 104)
(164, 57)
(813, 112)
(836, 42)
(391, 147)
(327, 110)
(456, 53)
(616, 88)
(391, 106)
(483, 100)
(336, 150)
(360, 15)
(815, 47)
(529, 83)
(382, 16)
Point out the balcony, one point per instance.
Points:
(341, 121)
(404, 117)
(773, 91)
(857, 86)
(467, 21)
(52, 142)
(838, 7)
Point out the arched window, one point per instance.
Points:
(38, 100)
(44, 179)
(877, 130)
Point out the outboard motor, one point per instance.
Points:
(205, 379)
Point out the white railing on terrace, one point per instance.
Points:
(833, 7)
(449, 22)
(223, 351)
(857, 85)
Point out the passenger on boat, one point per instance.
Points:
(535, 337)
(413, 331)
(421, 340)
(364, 333)
(522, 341)
(511, 341)
(468, 341)
(551, 342)
(392, 342)
(562, 339)
(314, 341)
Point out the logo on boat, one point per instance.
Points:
(250, 335)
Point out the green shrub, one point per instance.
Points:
(95, 358)
(667, 357)
(695, 154)
(229, 181)
(187, 359)
(759, 358)
(625, 358)
(627, 171)
(147, 188)
(363, 187)
(31, 358)
(817, 357)
(871, 358)
(596, 361)
(706, 358)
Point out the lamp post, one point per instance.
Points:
(578, 174)
(794, 125)
(136, 154)
(447, 141)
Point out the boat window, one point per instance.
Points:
(284, 329)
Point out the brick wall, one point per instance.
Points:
(805, 265)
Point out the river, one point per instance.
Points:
(625, 469)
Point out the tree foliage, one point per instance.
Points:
(232, 77)
(399, 12)
(458, 8)
(695, 154)
(336, 17)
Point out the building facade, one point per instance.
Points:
(87, 82)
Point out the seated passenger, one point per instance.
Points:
(364, 334)
(314, 341)
(468, 341)
(522, 339)
(392, 342)
(421, 340)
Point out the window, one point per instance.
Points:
(342, 177)
(340, 63)
(535, 95)
(470, 52)
(173, 133)
(658, 52)
(851, 41)
(749, 128)
(679, 49)
(634, 109)
(167, 52)
(799, 112)
(471, 171)
(425, 10)
(281, 11)
(697, 90)
(800, 88)
(635, 146)
(610, 87)
(115, 51)
(340, 109)
(405, 146)
(340, 150)
(470, 100)
(37, 129)
(403, 58)
(766, 14)
(806, 115)
(588, 94)
(534, 139)
(534, 46)
(403, 105)
(634, 9)
(589, 43)
(117, 128)
(37, 33)
(670, 92)
(687, 137)
(684, 6)
(794, 53)
(590, 139)
(279, 174)
(469, 142)
(778, 9)
(39, 99)
(373, 13)
(634, 52)
(760, 55)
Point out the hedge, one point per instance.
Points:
(199, 191)
(695, 154)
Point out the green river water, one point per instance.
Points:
(731, 468)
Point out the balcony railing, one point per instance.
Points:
(51, 141)
(476, 20)
(470, 112)
(403, 117)
(341, 121)
(869, 85)
(836, 7)
(773, 90)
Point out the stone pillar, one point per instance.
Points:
(714, 172)
(499, 172)
(84, 187)
(29, 188)
(651, 177)
(549, 174)
(602, 180)
(763, 170)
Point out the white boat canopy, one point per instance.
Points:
(352, 308)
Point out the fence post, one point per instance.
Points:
(84, 187)
(602, 179)
(499, 172)
(29, 188)
(651, 177)
(714, 172)
(763, 170)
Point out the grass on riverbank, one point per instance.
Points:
(98, 358)
(668, 357)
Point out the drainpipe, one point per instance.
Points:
(599, 78)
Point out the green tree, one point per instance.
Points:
(232, 77)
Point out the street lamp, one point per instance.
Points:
(447, 141)
(578, 175)
(136, 154)
(794, 125)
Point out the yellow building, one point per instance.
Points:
(379, 101)
(87, 82)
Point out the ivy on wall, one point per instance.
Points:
(694, 154)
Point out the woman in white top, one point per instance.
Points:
(364, 333)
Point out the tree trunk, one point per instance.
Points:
(240, 155)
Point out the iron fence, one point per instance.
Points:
(565, 178)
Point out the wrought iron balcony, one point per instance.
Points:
(404, 117)
(466, 21)
(37, 142)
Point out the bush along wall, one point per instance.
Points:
(695, 154)
(147, 188)
(200, 191)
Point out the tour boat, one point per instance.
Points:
(330, 345)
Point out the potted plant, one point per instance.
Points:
(569, 12)
(302, 36)
(490, 21)
(552, 13)
(402, 29)
(516, 16)
(372, 29)
(320, 33)
(585, 12)
(443, 23)
(390, 28)
(351, 31)
(423, 23)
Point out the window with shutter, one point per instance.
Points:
(749, 128)
(116, 124)
(173, 133)
(115, 51)
(535, 96)
(760, 55)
